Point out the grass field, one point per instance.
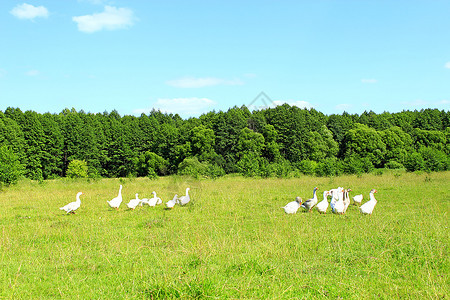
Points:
(233, 241)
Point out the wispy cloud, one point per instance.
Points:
(343, 107)
(3, 73)
(28, 11)
(416, 103)
(32, 73)
(185, 107)
(250, 75)
(192, 82)
(365, 80)
(447, 65)
(112, 18)
(420, 103)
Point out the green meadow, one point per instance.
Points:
(233, 241)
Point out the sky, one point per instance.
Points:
(194, 56)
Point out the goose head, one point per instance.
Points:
(298, 200)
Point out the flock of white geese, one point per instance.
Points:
(133, 203)
(339, 203)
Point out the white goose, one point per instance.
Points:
(292, 207)
(322, 206)
(310, 203)
(72, 206)
(134, 202)
(171, 203)
(143, 201)
(183, 200)
(115, 202)
(154, 200)
(357, 199)
(367, 208)
(346, 199)
(339, 205)
(335, 196)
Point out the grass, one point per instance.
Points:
(233, 241)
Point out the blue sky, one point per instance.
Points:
(190, 57)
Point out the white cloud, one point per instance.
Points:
(343, 107)
(420, 103)
(250, 75)
(369, 80)
(3, 73)
(447, 65)
(111, 18)
(300, 104)
(32, 73)
(185, 107)
(191, 82)
(416, 103)
(28, 11)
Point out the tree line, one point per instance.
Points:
(270, 142)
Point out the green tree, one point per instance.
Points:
(72, 127)
(150, 164)
(434, 160)
(429, 138)
(414, 162)
(227, 128)
(94, 141)
(320, 144)
(77, 169)
(35, 140)
(202, 140)
(339, 125)
(120, 156)
(12, 136)
(271, 148)
(364, 142)
(10, 167)
(168, 146)
(53, 146)
(398, 144)
(191, 166)
(429, 119)
(250, 142)
(250, 164)
(330, 166)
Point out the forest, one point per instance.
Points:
(272, 142)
